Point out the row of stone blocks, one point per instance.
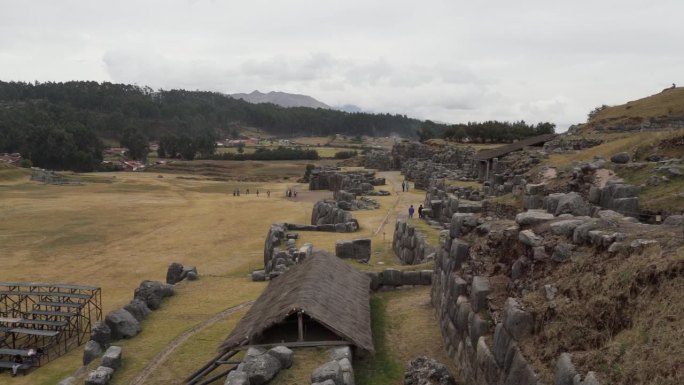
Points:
(619, 197)
(111, 361)
(394, 278)
(121, 324)
(410, 245)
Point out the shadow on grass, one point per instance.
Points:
(381, 368)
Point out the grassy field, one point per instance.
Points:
(117, 229)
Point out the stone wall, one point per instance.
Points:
(483, 340)
(393, 278)
(410, 245)
(355, 182)
(378, 160)
(327, 212)
(442, 203)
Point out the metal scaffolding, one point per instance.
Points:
(48, 318)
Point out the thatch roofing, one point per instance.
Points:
(515, 146)
(327, 289)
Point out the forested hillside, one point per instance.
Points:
(62, 125)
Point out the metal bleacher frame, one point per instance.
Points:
(51, 317)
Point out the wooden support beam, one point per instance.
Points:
(300, 324)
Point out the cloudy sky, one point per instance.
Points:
(447, 60)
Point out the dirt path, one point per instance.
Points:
(394, 179)
(176, 342)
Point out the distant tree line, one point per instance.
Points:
(37, 117)
(491, 131)
(279, 153)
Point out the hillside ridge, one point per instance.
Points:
(282, 99)
(664, 110)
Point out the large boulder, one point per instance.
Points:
(112, 357)
(674, 220)
(91, 351)
(122, 324)
(621, 158)
(99, 376)
(101, 333)
(529, 238)
(261, 368)
(566, 226)
(283, 354)
(574, 204)
(328, 371)
(152, 292)
(174, 273)
(533, 217)
(138, 308)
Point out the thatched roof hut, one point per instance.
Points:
(321, 299)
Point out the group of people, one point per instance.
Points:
(18, 360)
(236, 192)
(411, 210)
(405, 186)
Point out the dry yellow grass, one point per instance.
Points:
(121, 228)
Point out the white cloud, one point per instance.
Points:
(443, 60)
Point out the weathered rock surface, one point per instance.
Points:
(101, 333)
(99, 376)
(152, 293)
(328, 371)
(621, 158)
(283, 354)
(138, 308)
(91, 351)
(532, 217)
(357, 249)
(260, 368)
(122, 324)
(112, 357)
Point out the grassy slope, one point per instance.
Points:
(670, 102)
(404, 327)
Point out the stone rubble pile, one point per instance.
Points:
(427, 371)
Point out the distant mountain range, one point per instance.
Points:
(282, 99)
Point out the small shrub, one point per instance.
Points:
(345, 154)
(26, 163)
